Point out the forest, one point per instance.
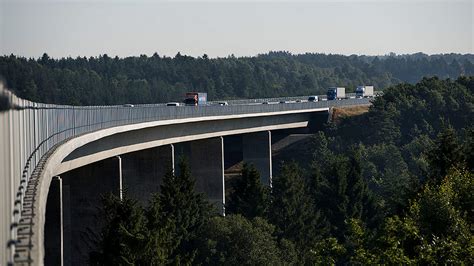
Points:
(390, 186)
(105, 80)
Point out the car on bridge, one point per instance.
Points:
(313, 99)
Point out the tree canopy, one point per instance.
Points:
(390, 186)
(151, 79)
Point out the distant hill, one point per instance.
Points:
(144, 79)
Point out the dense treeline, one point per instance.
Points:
(143, 79)
(391, 186)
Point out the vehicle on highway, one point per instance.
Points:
(172, 104)
(336, 93)
(128, 105)
(195, 98)
(282, 101)
(364, 91)
(223, 103)
(313, 99)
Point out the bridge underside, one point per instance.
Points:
(136, 140)
(135, 161)
(138, 175)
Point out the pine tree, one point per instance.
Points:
(250, 197)
(183, 212)
(343, 193)
(124, 236)
(468, 148)
(445, 154)
(291, 210)
(161, 242)
(357, 187)
(329, 192)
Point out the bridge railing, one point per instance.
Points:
(29, 130)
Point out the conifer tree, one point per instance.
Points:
(445, 154)
(124, 236)
(182, 211)
(333, 198)
(344, 194)
(357, 188)
(468, 148)
(250, 197)
(291, 210)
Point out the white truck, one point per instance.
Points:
(336, 93)
(364, 91)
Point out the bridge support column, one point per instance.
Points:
(54, 241)
(143, 171)
(257, 150)
(119, 159)
(83, 190)
(206, 161)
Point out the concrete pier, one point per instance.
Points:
(54, 224)
(83, 190)
(206, 161)
(257, 150)
(143, 171)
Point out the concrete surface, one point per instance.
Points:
(257, 150)
(143, 136)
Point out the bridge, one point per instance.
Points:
(55, 155)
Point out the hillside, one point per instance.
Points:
(106, 80)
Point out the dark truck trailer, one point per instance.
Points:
(195, 98)
(336, 93)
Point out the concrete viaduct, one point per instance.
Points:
(57, 160)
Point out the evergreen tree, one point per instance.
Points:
(322, 157)
(387, 174)
(161, 241)
(344, 194)
(124, 236)
(105, 80)
(445, 154)
(183, 211)
(291, 210)
(250, 197)
(357, 187)
(468, 147)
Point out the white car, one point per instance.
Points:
(172, 104)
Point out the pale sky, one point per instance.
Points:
(244, 28)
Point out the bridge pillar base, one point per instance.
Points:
(206, 161)
(257, 150)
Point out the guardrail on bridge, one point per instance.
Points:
(28, 130)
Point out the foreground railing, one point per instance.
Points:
(29, 130)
